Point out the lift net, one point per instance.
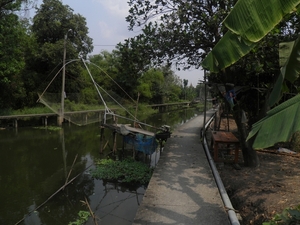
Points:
(78, 109)
(88, 107)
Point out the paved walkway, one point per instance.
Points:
(182, 189)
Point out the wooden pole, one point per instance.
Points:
(115, 142)
(101, 138)
(136, 109)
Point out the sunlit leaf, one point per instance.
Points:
(253, 19)
(227, 51)
(249, 21)
(285, 49)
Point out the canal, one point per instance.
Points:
(35, 164)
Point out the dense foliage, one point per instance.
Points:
(31, 61)
(178, 31)
(184, 32)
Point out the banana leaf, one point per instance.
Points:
(248, 22)
(285, 49)
(289, 52)
(278, 126)
(227, 51)
(253, 19)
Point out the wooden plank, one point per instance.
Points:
(117, 127)
(137, 130)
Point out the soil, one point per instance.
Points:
(257, 194)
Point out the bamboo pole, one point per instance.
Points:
(71, 169)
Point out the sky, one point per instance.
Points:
(107, 27)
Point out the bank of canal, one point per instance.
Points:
(34, 164)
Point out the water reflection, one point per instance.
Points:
(35, 163)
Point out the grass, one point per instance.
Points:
(35, 110)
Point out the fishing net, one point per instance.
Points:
(78, 111)
(86, 108)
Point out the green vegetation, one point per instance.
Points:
(125, 171)
(190, 34)
(289, 216)
(33, 110)
(83, 216)
(33, 66)
(238, 45)
(52, 128)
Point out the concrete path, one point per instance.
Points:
(182, 189)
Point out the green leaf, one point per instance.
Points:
(291, 68)
(278, 125)
(288, 52)
(285, 49)
(227, 51)
(253, 19)
(248, 22)
(277, 90)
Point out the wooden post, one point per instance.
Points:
(115, 142)
(133, 152)
(99, 116)
(16, 123)
(101, 138)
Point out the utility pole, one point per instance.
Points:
(61, 116)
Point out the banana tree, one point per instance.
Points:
(248, 22)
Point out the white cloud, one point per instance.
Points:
(117, 8)
(105, 30)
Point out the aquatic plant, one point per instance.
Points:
(52, 128)
(83, 217)
(125, 171)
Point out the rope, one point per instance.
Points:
(107, 110)
(41, 95)
(114, 82)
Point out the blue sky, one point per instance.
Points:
(107, 27)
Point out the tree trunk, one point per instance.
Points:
(249, 154)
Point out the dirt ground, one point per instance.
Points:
(259, 193)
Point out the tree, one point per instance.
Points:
(12, 45)
(132, 61)
(54, 25)
(185, 83)
(259, 27)
(172, 86)
(188, 31)
(151, 85)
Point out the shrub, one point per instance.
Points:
(289, 216)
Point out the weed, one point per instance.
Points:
(52, 128)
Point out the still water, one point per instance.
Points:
(35, 164)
